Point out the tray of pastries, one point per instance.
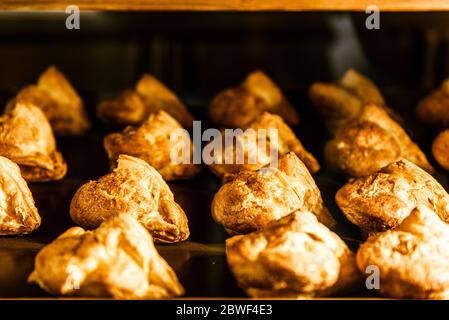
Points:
(348, 199)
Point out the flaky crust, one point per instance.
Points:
(116, 260)
(383, 200)
(61, 104)
(294, 256)
(434, 108)
(149, 96)
(250, 200)
(238, 106)
(18, 214)
(440, 149)
(412, 259)
(27, 139)
(153, 143)
(132, 187)
(370, 142)
(257, 146)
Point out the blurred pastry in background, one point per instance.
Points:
(256, 142)
(60, 102)
(381, 201)
(132, 187)
(18, 214)
(238, 106)
(27, 139)
(149, 96)
(153, 142)
(434, 108)
(295, 256)
(412, 259)
(370, 142)
(440, 149)
(117, 260)
(249, 200)
(366, 134)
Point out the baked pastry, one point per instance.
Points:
(434, 108)
(61, 104)
(370, 142)
(117, 260)
(18, 214)
(27, 139)
(257, 146)
(343, 101)
(381, 201)
(295, 256)
(132, 187)
(133, 107)
(249, 200)
(440, 149)
(152, 142)
(238, 106)
(412, 259)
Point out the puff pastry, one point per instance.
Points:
(370, 142)
(149, 96)
(434, 108)
(27, 139)
(132, 187)
(383, 200)
(152, 142)
(61, 104)
(238, 106)
(412, 259)
(342, 102)
(249, 200)
(440, 149)
(117, 260)
(18, 214)
(295, 256)
(255, 148)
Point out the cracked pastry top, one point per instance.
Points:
(18, 214)
(366, 135)
(295, 256)
(238, 106)
(381, 201)
(149, 96)
(117, 260)
(61, 104)
(249, 200)
(27, 139)
(132, 187)
(256, 147)
(412, 259)
(434, 108)
(152, 141)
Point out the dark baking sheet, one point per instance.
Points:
(200, 262)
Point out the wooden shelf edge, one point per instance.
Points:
(226, 5)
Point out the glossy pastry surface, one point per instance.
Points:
(152, 141)
(381, 201)
(249, 200)
(136, 188)
(117, 260)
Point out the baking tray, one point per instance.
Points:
(200, 262)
